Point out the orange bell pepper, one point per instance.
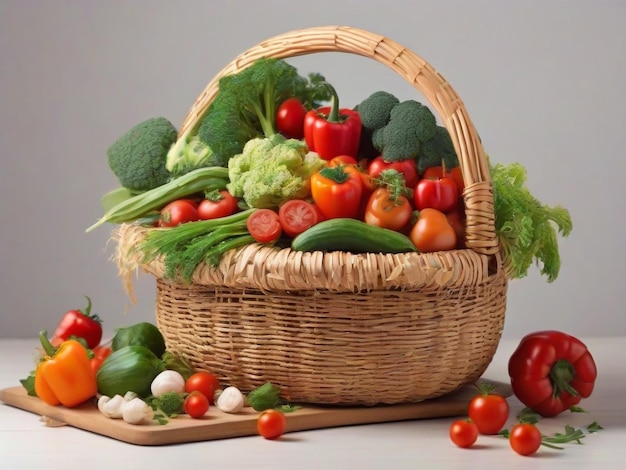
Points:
(64, 376)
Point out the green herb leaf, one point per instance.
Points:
(594, 427)
(264, 397)
(527, 415)
(29, 384)
(576, 409)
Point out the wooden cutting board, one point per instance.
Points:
(219, 425)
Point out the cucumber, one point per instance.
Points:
(351, 235)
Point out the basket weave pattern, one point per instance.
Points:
(341, 328)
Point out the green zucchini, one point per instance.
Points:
(351, 235)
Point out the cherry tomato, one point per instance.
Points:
(407, 167)
(436, 172)
(290, 118)
(463, 432)
(203, 382)
(489, 411)
(178, 212)
(271, 424)
(296, 216)
(264, 225)
(440, 194)
(383, 211)
(433, 232)
(196, 405)
(100, 353)
(525, 438)
(217, 204)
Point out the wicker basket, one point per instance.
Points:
(342, 328)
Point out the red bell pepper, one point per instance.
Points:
(330, 131)
(551, 371)
(79, 324)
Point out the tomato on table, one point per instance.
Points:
(488, 410)
(296, 216)
(178, 212)
(217, 204)
(203, 382)
(264, 225)
(271, 424)
(196, 405)
(342, 160)
(463, 432)
(290, 118)
(525, 438)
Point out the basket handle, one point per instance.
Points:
(478, 196)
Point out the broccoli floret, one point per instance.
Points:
(396, 129)
(272, 170)
(375, 110)
(190, 155)
(437, 150)
(138, 157)
(246, 103)
(169, 404)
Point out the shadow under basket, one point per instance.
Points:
(336, 327)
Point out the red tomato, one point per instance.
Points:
(203, 382)
(264, 225)
(383, 211)
(178, 212)
(100, 353)
(271, 424)
(196, 405)
(440, 194)
(296, 216)
(457, 220)
(342, 160)
(290, 118)
(525, 438)
(407, 167)
(489, 411)
(433, 232)
(436, 172)
(337, 191)
(463, 432)
(217, 204)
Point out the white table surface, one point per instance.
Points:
(25, 443)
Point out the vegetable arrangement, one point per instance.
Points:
(269, 163)
(133, 377)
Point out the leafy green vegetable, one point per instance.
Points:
(527, 229)
(264, 397)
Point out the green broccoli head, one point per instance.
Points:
(272, 170)
(138, 157)
(190, 154)
(246, 104)
(436, 150)
(375, 110)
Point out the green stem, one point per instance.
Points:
(335, 173)
(46, 344)
(333, 115)
(561, 374)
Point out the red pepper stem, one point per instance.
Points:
(46, 344)
(561, 375)
(333, 114)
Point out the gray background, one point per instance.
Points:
(543, 82)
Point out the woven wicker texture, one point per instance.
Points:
(342, 328)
